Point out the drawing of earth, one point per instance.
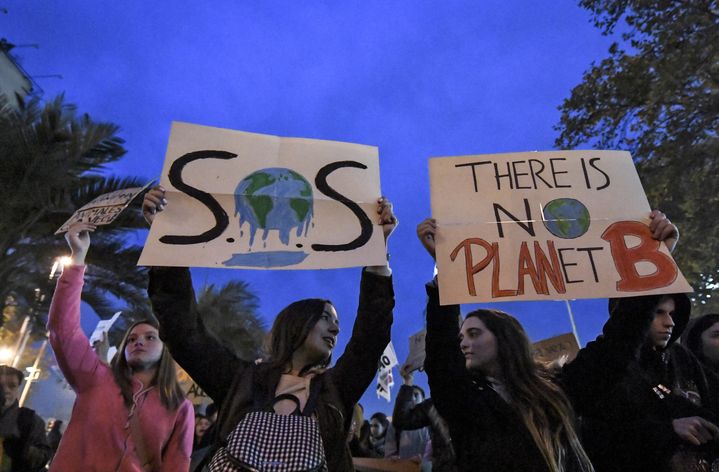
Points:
(273, 199)
(566, 218)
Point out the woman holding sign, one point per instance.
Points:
(130, 416)
(503, 410)
(291, 411)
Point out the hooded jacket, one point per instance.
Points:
(627, 393)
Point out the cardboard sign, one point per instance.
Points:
(544, 226)
(366, 464)
(385, 381)
(243, 200)
(192, 391)
(416, 356)
(104, 209)
(551, 349)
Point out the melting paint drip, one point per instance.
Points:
(274, 199)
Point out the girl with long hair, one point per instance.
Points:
(130, 416)
(503, 409)
(291, 411)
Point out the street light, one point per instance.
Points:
(6, 354)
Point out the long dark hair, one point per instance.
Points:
(382, 418)
(543, 407)
(165, 379)
(693, 337)
(290, 329)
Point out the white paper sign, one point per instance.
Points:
(103, 326)
(385, 381)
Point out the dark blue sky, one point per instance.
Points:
(415, 78)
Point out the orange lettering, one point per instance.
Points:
(626, 258)
(470, 267)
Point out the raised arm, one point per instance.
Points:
(407, 416)
(444, 362)
(211, 365)
(357, 366)
(206, 360)
(75, 356)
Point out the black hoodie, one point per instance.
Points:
(627, 393)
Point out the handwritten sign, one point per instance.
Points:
(385, 381)
(243, 200)
(104, 209)
(103, 327)
(545, 225)
(416, 356)
(553, 348)
(192, 391)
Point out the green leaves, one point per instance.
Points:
(230, 314)
(657, 96)
(50, 164)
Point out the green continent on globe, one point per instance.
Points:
(274, 199)
(566, 218)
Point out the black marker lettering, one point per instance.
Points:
(364, 221)
(221, 219)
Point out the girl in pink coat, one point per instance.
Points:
(130, 416)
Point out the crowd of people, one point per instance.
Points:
(644, 396)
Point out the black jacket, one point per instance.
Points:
(30, 450)
(486, 432)
(407, 416)
(619, 387)
(238, 385)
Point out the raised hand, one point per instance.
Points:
(663, 229)
(386, 216)
(426, 232)
(78, 238)
(153, 202)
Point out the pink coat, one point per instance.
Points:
(98, 436)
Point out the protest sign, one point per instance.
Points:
(366, 464)
(553, 348)
(104, 209)
(415, 358)
(103, 326)
(244, 200)
(545, 225)
(385, 380)
(192, 391)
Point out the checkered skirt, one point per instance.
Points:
(264, 441)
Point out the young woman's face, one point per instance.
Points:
(143, 348)
(322, 337)
(202, 425)
(660, 331)
(479, 346)
(417, 396)
(376, 429)
(710, 343)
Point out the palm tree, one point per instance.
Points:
(230, 314)
(50, 164)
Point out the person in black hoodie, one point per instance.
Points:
(504, 411)
(643, 399)
(702, 339)
(412, 413)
